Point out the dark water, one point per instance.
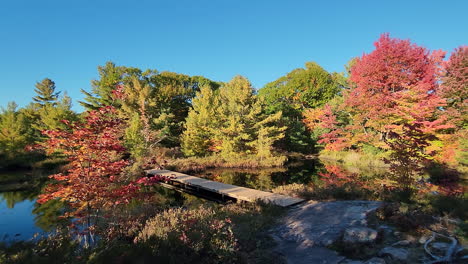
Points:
(303, 171)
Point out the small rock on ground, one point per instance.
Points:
(399, 254)
(402, 243)
(359, 235)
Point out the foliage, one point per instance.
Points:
(190, 234)
(301, 88)
(45, 92)
(94, 180)
(138, 106)
(239, 126)
(13, 131)
(56, 248)
(196, 139)
(15, 135)
(166, 97)
(291, 94)
(50, 116)
(407, 158)
(394, 105)
(455, 86)
(111, 76)
(394, 85)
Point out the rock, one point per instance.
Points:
(440, 247)
(402, 243)
(305, 231)
(350, 261)
(375, 260)
(410, 238)
(323, 223)
(423, 240)
(385, 230)
(399, 254)
(359, 235)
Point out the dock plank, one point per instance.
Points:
(237, 192)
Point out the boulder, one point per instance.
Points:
(375, 260)
(399, 254)
(359, 235)
(440, 247)
(385, 230)
(402, 243)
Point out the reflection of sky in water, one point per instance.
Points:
(18, 222)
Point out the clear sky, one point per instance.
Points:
(66, 40)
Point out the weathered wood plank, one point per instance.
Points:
(237, 192)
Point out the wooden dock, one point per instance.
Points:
(232, 191)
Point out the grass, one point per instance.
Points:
(199, 164)
(355, 159)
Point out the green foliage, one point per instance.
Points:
(14, 134)
(110, 75)
(50, 116)
(45, 92)
(161, 99)
(232, 122)
(12, 130)
(200, 122)
(302, 88)
(134, 140)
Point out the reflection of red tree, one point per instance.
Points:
(338, 176)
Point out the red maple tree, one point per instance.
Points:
(94, 181)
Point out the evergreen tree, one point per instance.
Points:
(139, 106)
(51, 116)
(13, 131)
(45, 92)
(110, 75)
(232, 122)
(268, 133)
(198, 134)
(238, 113)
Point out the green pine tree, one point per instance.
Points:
(13, 131)
(230, 121)
(200, 122)
(45, 92)
(110, 75)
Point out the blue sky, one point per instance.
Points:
(262, 40)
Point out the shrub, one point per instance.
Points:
(196, 235)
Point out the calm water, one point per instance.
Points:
(17, 220)
(20, 216)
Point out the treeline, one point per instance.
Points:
(21, 127)
(382, 97)
(189, 114)
(404, 104)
